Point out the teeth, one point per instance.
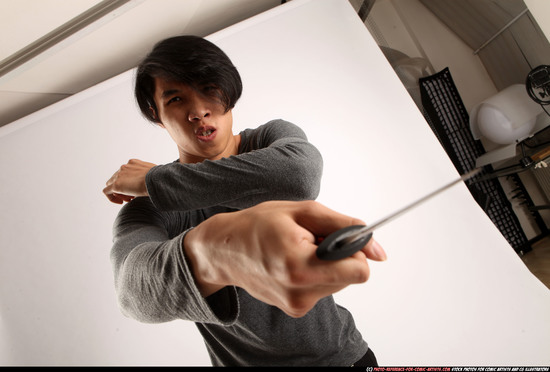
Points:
(207, 132)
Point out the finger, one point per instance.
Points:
(374, 251)
(123, 197)
(114, 199)
(322, 221)
(119, 199)
(340, 273)
(111, 180)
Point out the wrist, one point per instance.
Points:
(194, 248)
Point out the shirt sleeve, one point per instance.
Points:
(153, 280)
(276, 162)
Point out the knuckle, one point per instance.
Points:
(363, 274)
(115, 185)
(296, 278)
(310, 206)
(294, 274)
(298, 304)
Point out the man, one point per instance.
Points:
(199, 239)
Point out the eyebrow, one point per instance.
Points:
(169, 92)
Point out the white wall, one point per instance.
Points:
(453, 292)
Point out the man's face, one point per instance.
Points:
(195, 120)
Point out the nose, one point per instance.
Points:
(197, 116)
(198, 111)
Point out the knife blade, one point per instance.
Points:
(345, 242)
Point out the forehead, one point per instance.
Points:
(164, 87)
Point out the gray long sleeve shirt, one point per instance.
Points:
(153, 278)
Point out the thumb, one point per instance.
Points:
(374, 251)
(321, 220)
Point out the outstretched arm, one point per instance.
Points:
(268, 250)
(271, 251)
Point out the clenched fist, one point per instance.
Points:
(128, 182)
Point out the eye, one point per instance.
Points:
(173, 99)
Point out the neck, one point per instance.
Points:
(232, 148)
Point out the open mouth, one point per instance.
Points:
(205, 134)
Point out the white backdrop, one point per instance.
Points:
(453, 292)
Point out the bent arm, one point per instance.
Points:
(153, 279)
(276, 163)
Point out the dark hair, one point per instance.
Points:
(191, 60)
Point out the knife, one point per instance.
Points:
(345, 242)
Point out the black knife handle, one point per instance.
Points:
(334, 247)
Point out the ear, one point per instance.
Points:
(155, 116)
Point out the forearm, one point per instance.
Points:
(153, 277)
(154, 285)
(240, 181)
(276, 163)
